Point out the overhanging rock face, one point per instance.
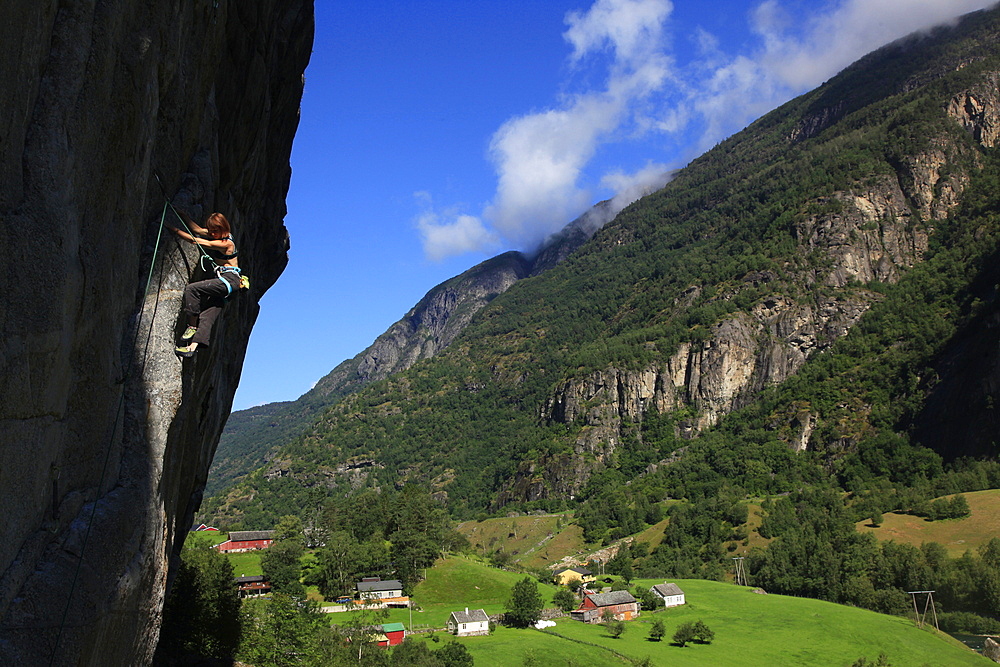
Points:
(105, 435)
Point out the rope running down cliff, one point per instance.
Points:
(118, 411)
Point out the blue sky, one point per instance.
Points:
(437, 133)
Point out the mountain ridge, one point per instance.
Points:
(695, 301)
(427, 328)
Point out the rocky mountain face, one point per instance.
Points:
(733, 288)
(870, 233)
(430, 326)
(105, 435)
(862, 235)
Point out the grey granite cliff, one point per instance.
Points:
(105, 435)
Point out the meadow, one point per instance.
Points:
(956, 535)
(750, 629)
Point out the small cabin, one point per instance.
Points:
(469, 623)
(671, 594)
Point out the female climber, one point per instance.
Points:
(203, 300)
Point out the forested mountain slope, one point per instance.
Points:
(251, 436)
(797, 303)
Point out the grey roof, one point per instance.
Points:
(667, 589)
(250, 579)
(470, 616)
(579, 570)
(391, 585)
(614, 597)
(248, 535)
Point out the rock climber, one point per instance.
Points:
(203, 300)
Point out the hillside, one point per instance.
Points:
(750, 629)
(251, 436)
(956, 535)
(784, 309)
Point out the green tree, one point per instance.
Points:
(615, 628)
(279, 631)
(648, 600)
(454, 654)
(657, 632)
(702, 634)
(281, 564)
(201, 615)
(412, 653)
(361, 627)
(564, 599)
(524, 607)
(684, 634)
(335, 571)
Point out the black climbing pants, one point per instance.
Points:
(205, 299)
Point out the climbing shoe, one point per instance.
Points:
(186, 351)
(189, 333)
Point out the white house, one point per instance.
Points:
(374, 588)
(469, 623)
(671, 594)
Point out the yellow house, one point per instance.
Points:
(582, 574)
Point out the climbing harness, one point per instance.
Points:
(244, 282)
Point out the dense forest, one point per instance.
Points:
(816, 298)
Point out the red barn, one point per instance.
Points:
(247, 540)
(393, 634)
(621, 604)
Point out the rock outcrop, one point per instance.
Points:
(869, 234)
(105, 435)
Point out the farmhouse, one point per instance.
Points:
(392, 634)
(621, 604)
(565, 576)
(671, 594)
(374, 588)
(469, 623)
(253, 586)
(247, 540)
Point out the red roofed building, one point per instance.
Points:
(247, 540)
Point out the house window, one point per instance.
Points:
(463, 626)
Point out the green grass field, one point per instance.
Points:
(769, 630)
(750, 629)
(957, 535)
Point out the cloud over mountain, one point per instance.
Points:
(544, 159)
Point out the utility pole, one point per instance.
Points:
(928, 602)
(741, 573)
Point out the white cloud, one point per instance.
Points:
(541, 158)
(630, 187)
(798, 54)
(631, 27)
(448, 233)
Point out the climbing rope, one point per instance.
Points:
(118, 411)
(204, 255)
